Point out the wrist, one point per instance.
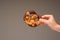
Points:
(55, 26)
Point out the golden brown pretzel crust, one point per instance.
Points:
(30, 18)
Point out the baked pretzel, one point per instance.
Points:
(32, 18)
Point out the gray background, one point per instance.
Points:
(12, 26)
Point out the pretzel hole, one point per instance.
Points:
(36, 19)
(31, 15)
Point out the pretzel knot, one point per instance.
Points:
(32, 18)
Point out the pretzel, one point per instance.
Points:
(32, 18)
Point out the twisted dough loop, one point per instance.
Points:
(32, 18)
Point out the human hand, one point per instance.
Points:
(50, 21)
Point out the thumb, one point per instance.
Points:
(43, 21)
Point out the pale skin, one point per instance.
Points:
(51, 22)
